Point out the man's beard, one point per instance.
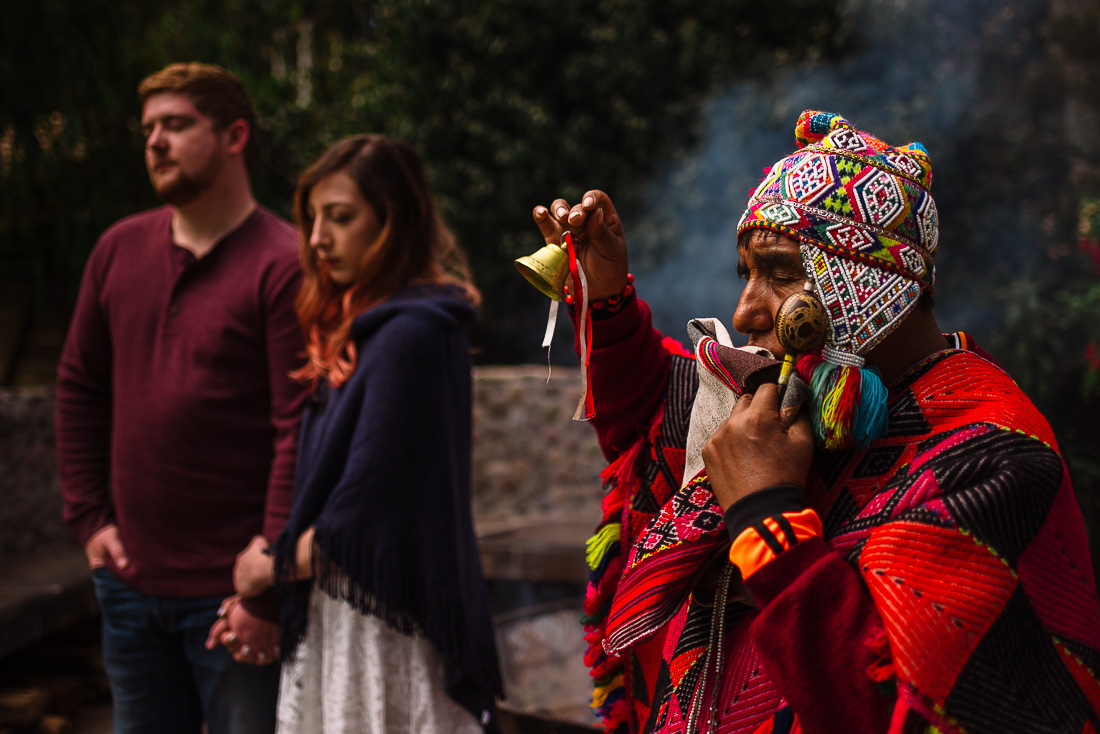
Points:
(184, 188)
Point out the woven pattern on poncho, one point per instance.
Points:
(963, 524)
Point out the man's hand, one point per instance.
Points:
(248, 638)
(254, 570)
(597, 237)
(755, 449)
(106, 545)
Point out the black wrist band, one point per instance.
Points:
(771, 502)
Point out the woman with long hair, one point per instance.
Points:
(385, 621)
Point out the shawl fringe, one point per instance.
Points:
(335, 569)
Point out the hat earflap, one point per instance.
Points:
(848, 401)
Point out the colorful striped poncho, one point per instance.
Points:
(953, 590)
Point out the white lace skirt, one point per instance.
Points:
(354, 675)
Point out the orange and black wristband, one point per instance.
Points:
(766, 523)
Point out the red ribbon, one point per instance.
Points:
(586, 317)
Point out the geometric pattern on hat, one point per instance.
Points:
(863, 303)
(880, 198)
(867, 222)
(929, 221)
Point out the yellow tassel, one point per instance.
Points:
(600, 694)
(597, 545)
(831, 404)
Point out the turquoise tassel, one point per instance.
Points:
(872, 413)
(848, 406)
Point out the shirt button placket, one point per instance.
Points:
(170, 325)
(182, 263)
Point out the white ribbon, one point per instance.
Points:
(551, 324)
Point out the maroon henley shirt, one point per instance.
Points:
(176, 416)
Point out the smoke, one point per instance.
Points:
(960, 76)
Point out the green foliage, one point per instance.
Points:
(1082, 304)
(1050, 337)
(1049, 343)
(515, 103)
(509, 103)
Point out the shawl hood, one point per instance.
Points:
(445, 304)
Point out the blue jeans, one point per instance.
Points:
(164, 680)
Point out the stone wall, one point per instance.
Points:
(30, 513)
(531, 461)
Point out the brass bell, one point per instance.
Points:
(546, 269)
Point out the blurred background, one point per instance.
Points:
(671, 106)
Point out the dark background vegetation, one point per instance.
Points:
(509, 102)
(512, 103)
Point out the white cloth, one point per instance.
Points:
(354, 675)
(713, 400)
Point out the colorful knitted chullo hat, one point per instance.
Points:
(867, 229)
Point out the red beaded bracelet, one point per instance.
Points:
(610, 304)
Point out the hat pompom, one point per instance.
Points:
(848, 406)
(813, 126)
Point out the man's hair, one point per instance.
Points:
(215, 92)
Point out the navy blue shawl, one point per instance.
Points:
(384, 477)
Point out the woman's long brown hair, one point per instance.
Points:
(414, 245)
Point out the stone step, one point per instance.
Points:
(43, 593)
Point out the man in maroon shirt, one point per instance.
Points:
(177, 418)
